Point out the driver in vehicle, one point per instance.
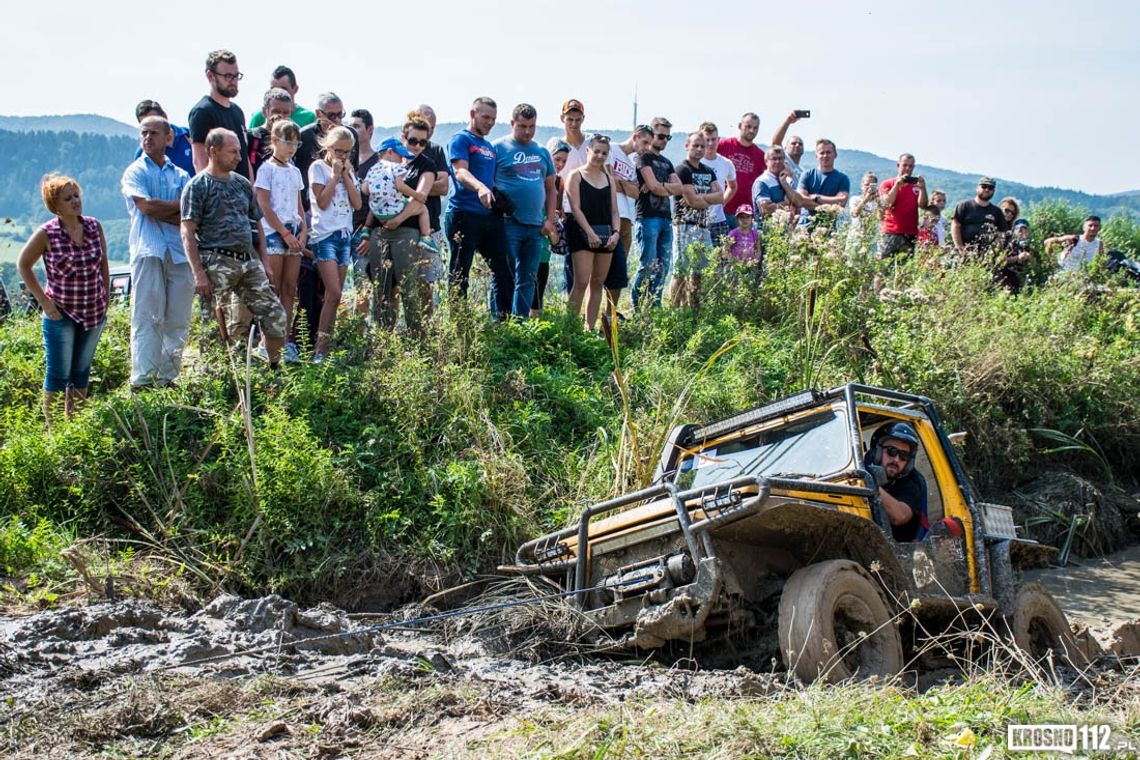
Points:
(902, 490)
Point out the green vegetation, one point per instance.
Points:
(448, 450)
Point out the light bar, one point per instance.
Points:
(774, 409)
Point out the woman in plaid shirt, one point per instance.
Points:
(74, 303)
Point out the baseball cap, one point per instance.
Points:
(573, 104)
(393, 143)
(744, 208)
(1021, 223)
(987, 182)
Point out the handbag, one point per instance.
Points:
(603, 231)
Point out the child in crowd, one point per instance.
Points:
(387, 191)
(744, 241)
(556, 244)
(334, 195)
(928, 230)
(278, 187)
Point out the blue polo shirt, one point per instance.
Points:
(521, 174)
(146, 179)
(480, 157)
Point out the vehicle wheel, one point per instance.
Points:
(834, 624)
(1039, 627)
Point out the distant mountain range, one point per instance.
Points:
(97, 147)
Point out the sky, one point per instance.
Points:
(1042, 93)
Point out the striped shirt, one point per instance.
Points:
(75, 279)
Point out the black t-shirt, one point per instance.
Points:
(260, 147)
(208, 114)
(416, 167)
(648, 204)
(701, 178)
(443, 166)
(360, 216)
(981, 225)
(310, 151)
(911, 490)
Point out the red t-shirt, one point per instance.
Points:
(902, 218)
(749, 163)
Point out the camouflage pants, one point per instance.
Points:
(247, 281)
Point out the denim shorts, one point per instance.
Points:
(336, 247)
(275, 244)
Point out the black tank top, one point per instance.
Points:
(595, 202)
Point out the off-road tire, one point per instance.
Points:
(825, 610)
(1038, 626)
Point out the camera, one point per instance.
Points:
(803, 114)
(910, 180)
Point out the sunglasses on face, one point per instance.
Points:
(659, 136)
(898, 453)
(333, 115)
(415, 142)
(290, 143)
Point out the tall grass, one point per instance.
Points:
(447, 449)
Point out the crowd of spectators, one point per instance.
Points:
(268, 216)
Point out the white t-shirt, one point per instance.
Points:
(621, 166)
(284, 184)
(575, 158)
(724, 171)
(1081, 254)
(338, 216)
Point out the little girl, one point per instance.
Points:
(334, 196)
(744, 240)
(279, 186)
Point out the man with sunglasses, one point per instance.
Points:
(330, 113)
(218, 110)
(653, 229)
(978, 224)
(902, 489)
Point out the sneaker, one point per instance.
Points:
(319, 358)
(291, 354)
(428, 244)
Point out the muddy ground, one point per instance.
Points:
(128, 678)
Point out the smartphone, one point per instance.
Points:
(803, 114)
(910, 180)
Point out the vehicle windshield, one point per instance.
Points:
(813, 445)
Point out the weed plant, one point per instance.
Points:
(447, 449)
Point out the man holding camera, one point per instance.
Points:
(901, 198)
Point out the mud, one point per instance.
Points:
(131, 678)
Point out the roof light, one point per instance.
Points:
(774, 409)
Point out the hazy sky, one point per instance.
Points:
(1043, 92)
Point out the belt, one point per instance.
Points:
(239, 255)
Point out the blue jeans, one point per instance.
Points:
(468, 232)
(336, 247)
(69, 351)
(654, 237)
(524, 249)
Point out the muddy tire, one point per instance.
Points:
(1039, 627)
(835, 625)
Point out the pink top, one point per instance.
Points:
(744, 244)
(75, 272)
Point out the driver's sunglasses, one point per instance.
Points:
(898, 453)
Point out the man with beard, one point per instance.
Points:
(902, 489)
(218, 110)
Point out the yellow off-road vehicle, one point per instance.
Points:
(768, 522)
